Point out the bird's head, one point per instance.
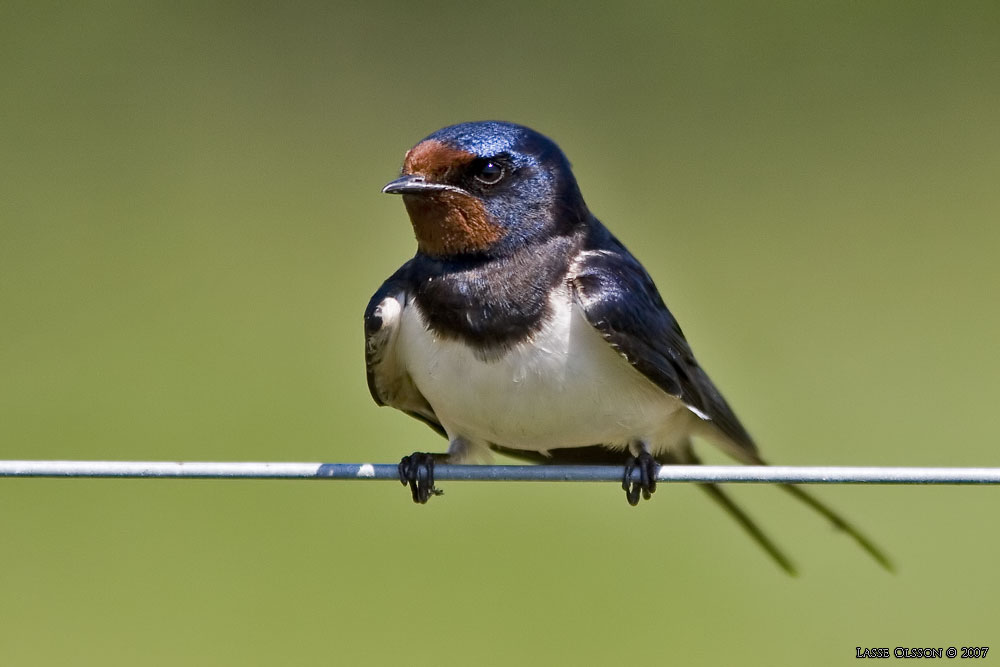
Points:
(487, 188)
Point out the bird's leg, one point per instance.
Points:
(417, 471)
(648, 468)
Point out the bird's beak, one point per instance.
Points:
(415, 184)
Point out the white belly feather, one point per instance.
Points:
(564, 387)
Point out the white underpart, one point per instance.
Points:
(565, 387)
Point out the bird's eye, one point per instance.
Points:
(490, 172)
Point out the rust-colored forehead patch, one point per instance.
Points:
(435, 160)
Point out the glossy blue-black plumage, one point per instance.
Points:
(620, 300)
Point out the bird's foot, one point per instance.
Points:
(647, 467)
(417, 471)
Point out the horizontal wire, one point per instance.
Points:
(500, 473)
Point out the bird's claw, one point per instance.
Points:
(648, 468)
(417, 471)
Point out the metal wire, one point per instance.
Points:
(502, 473)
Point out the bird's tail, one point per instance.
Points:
(716, 493)
(841, 523)
(687, 455)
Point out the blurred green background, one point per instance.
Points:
(191, 226)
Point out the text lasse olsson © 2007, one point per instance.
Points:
(904, 652)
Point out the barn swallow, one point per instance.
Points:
(523, 326)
